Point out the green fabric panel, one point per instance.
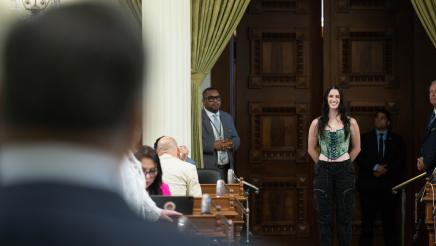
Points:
(196, 140)
(426, 11)
(135, 6)
(212, 25)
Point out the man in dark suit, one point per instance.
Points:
(427, 160)
(381, 166)
(70, 96)
(219, 134)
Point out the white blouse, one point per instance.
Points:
(133, 183)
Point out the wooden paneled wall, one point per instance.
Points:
(282, 62)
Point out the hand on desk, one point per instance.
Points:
(167, 214)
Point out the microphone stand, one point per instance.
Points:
(402, 187)
(256, 190)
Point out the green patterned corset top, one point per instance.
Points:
(334, 144)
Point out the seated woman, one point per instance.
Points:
(152, 170)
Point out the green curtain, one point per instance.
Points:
(135, 6)
(426, 11)
(212, 24)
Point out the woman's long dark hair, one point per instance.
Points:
(148, 152)
(324, 118)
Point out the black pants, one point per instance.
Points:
(223, 170)
(334, 186)
(373, 203)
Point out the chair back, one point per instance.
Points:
(208, 176)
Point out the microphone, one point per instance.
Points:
(251, 186)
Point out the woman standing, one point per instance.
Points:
(153, 171)
(329, 147)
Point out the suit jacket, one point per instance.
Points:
(394, 157)
(181, 176)
(209, 154)
(50, 214)
(428, 147)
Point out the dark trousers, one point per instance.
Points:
(334, 186)
(373, 203)
(223, 170)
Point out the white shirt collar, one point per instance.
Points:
(167, 156)
(61, 163)
(211, 114)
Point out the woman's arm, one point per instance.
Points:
(312, 141)
(355, 138)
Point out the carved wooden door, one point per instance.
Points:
(367, 50)
(283, 62)
(278, 65)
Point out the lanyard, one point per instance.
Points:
(218, 131)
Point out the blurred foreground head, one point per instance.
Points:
(73, 74)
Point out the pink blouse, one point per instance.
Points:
(165, 189)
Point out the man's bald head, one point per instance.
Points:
(167, 145)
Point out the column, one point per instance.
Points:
(167, 91)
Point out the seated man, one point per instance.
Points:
(68, 103)
(183, 152)
(181, 176)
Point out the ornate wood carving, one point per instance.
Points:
(278, 132)
(366, 57)
(293, 6)
(278, 58)
(281, 207)
(345, 6)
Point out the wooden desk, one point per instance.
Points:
(237, 190)
(231, 205)
(215, 225)
(221, 206)
(208, 225)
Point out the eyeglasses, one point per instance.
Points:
(151, 172)
(212, 98)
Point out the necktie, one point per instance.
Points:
(380, 147)
(431, 120)
(216, 122)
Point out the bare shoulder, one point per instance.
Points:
(313, 127)
(314, 122)
(353, 121)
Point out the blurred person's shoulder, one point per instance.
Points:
(47, 214)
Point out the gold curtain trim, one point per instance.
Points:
(197, 78)
(212, 25)
(426, 12)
